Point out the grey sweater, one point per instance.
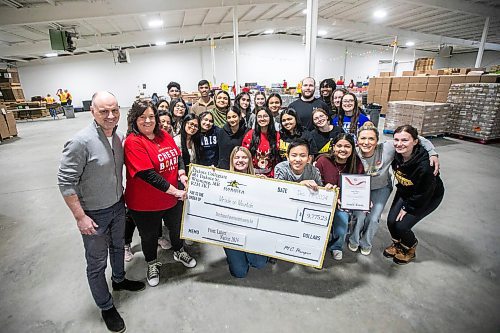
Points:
(92, 169)
(283, 171)
(379, 164)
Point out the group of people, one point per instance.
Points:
(65, 98)
(313, 142)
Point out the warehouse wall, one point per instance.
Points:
(265, 59)
(469, 60)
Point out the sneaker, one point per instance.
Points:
(353, 247)
(366, 251)
(128, 285)
(188, 242)
(113, 320)
(337, 254)
(153, 274)
(184, 258)
(129, 255)
(164, 243)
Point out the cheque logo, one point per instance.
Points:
(354, 181)
(234, 187)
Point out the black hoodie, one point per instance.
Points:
(227, 140)
(417, 184)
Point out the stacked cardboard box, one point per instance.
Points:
(475, 110)
(428, 118)
(7, 123)
(379, 91)
(423, 64)
(10, 85)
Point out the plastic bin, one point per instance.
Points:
(86, 105)
(69, 112)
(373, 110)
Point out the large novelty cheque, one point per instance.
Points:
(270, 217)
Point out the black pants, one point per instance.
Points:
(130, 228)
(401, 230)
(149, 226)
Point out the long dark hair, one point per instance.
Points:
(278, 96)
(175, 122)
(195, 139)
(257, 94)
(248, 110)
(271, 135)
(299, 129)
(355, 116)
(202, 115)
(137, 109)
(334, 108)
(352, 161)
(228, 100)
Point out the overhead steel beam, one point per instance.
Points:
(468, 7)
(75, 10)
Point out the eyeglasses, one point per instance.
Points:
(319, 117)
(348, 101)
(263, 116)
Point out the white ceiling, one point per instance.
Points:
(105, 25)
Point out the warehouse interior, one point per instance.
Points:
(411, 57)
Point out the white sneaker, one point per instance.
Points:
(164, 243)
(337, 254)
(128, 253)
(153, 274)
(184, 258)
(366, 251)
(352, 247)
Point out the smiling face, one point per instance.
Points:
(260, 100)
(233, 119)
(404, 143)
(166, 123)
(146, 123)
(106, 112)
(288, 122)
(326, 91)
(348, 104)
(320, 119)
(163, 106)
(191, 127)
(308, 88)
(179, 110)
(274, 104)
(173, 92)
(222, 101)
(263, 118)
(367, 142)
(342, 150)
(207, 122)
(298, 158)
(244, 101)
(337, 98)
(203, 90)
(240, 161)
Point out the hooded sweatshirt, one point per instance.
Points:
(417, 184)
(209, 148)
(227, 140)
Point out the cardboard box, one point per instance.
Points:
(473, 78)
(490, 78)
(373, 81)
(421, 87)
(444, 87)
(433, 80)
(445, 79)
(385, 80)
(378, 89)
(11, 123)
(396, 80)
(430, 96)
(441, 97)
(411, 96)
(386, 86)
(386, 74)
(432, 88)
(404, 80)
(394, 86)
(408, 73)
(420, 95)
(419, 79)
(458, 79)
(369, 98)
(376, 99)
(404, 86)
(4, 128)
(402, 95)
(412, 87)
(436, 72)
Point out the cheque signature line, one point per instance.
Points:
(291, 255)
(311, 202)
(250, 212)
(243, 226)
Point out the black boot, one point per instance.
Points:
(113, 320)
(128, 285)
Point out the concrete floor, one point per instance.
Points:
(452, 287)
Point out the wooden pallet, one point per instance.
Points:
(473, 139)
(8, 137)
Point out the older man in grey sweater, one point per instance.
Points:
(90, 180)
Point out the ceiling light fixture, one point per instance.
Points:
(269, 31)
(410, 43)
(304, 11)
(50, 55)
(161, 43)
(380, 13)
(321, 32)
(155, 23)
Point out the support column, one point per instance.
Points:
(311, 33)
(480, 52)
(212, 57)
(236, 48)
(394, 49)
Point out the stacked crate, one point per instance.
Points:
(10, 85)
(429, 118)
(475, 110)
(379, 91)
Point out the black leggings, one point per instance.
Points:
(149, 226)
(130, 228)
(401, 230)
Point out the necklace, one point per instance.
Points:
(338, 167)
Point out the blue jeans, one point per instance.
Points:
(340, 223)
(367, 223)
(239, 262)
(109, 237)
